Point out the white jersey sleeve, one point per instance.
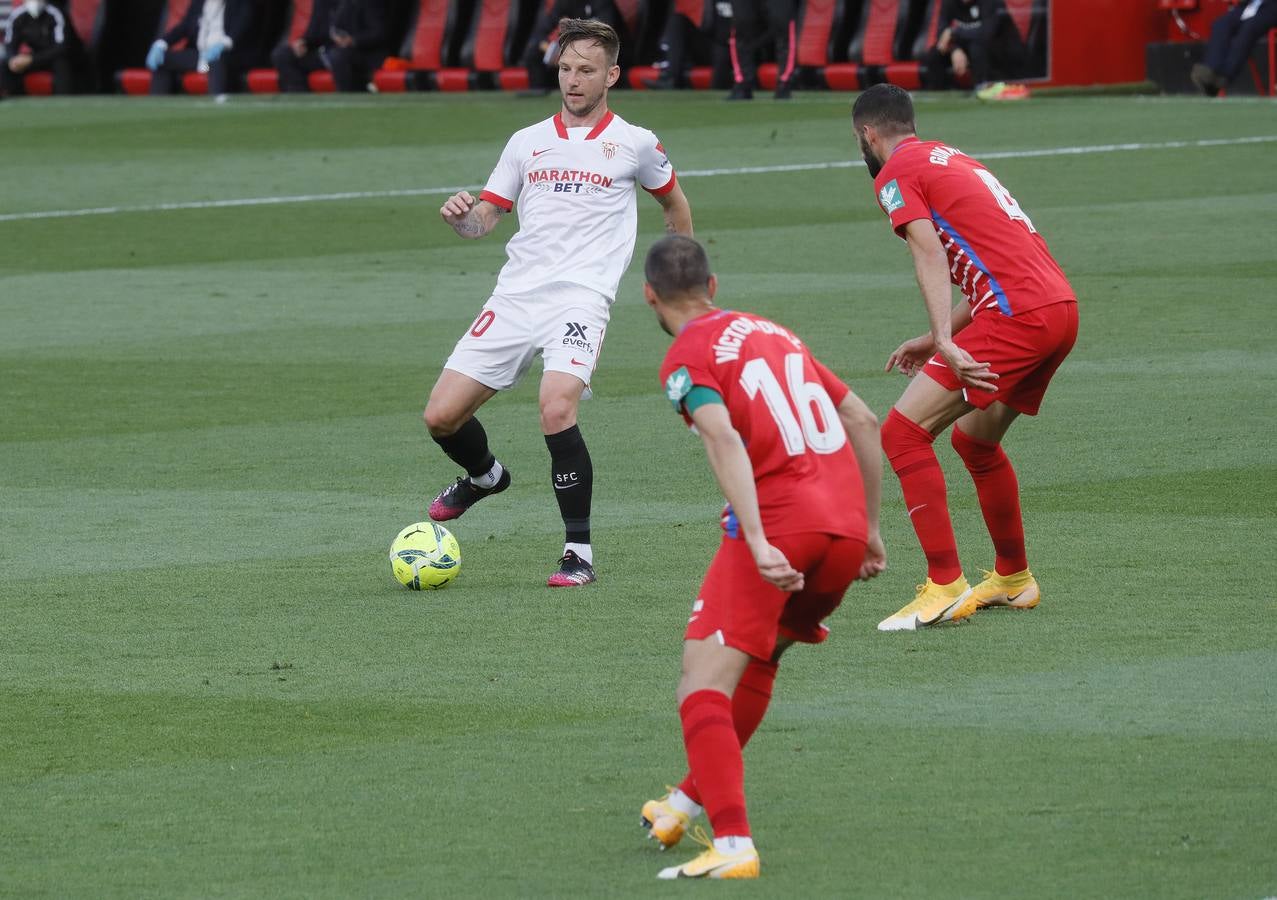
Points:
(506, 179)
(655, 172)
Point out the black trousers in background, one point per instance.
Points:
(223, 73)
(754, 23)
(352, 68)
(293, 69)
(1231, 38)
(680, 32)
(63, 76)
(1001, 56)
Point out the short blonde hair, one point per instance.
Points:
(601, 33)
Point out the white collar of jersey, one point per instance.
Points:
(598, 129)
(34, 7)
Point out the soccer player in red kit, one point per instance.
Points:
(983, 363)
(796, 454)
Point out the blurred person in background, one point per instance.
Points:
(754, 22)
(978, 40)
(1231, 38)
(36, 39)
(212, 35)
(350, 38)
(695, 29)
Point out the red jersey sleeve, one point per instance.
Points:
(834, 386)
(686, 366)
(902, 198)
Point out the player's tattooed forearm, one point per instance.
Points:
(470, 226)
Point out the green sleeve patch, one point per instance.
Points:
(699, 396)
(677, 386)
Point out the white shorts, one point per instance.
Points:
(565, 323)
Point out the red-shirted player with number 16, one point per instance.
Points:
(984, 362)
(796, 454)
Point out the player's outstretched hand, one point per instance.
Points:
(457, 207)
(912, 355)
(775, 568)
(875, 560)
(978, 375)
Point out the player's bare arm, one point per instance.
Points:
(735, 474)
(678, 212)
(469, 218)
(931, 265)
(861, 425)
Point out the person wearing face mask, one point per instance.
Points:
(212, 33)
(36, 39)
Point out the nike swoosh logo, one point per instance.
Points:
(936, 362)
(577, 362)
(564, 487)
(536, 153)
(915, 509)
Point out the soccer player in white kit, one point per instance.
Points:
(574, 178)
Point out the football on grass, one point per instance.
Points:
(425, 556)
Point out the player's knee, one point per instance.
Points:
(977, 454)
(557, 414)
(440, 420)
(902, 438)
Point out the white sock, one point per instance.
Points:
(684, 803)
(489, 478)
(733, 844)
(581, 550)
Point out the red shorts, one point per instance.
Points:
(1023, 351)
(743, 610)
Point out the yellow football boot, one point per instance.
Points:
(1018, 591)
(935, 603)
(664, 824)
(713, 864)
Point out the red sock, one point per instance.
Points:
(999, 493)
(713, 754)
(749, 705)
(908, 448)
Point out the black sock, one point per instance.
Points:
(573, 478)
(468, 448)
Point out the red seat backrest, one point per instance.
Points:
(629, 10)
(490, 35)
(930, 31)
(84, 18)
(427, 42)
(880, 31)
(301, 18)
(1022, 14)
(813, 40)
(176, 12)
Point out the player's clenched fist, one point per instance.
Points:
(456, 207)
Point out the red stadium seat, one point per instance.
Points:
(85, 18)
(490, 45)
(321, 82)
(702, 77)
(637, 74)
(875, 45)
(390, 81)
(1022, 14)
(452, 79)
(195, 83)
(263, 81)
(38, 84)
(767, 74)
(513, 79)
(843, 76)
(814, 32)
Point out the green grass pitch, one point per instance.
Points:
(209, 434)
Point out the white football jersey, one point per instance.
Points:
(575, 188)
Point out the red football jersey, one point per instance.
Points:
(996, 256)
(783, 402)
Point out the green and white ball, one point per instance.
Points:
(425, 556)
